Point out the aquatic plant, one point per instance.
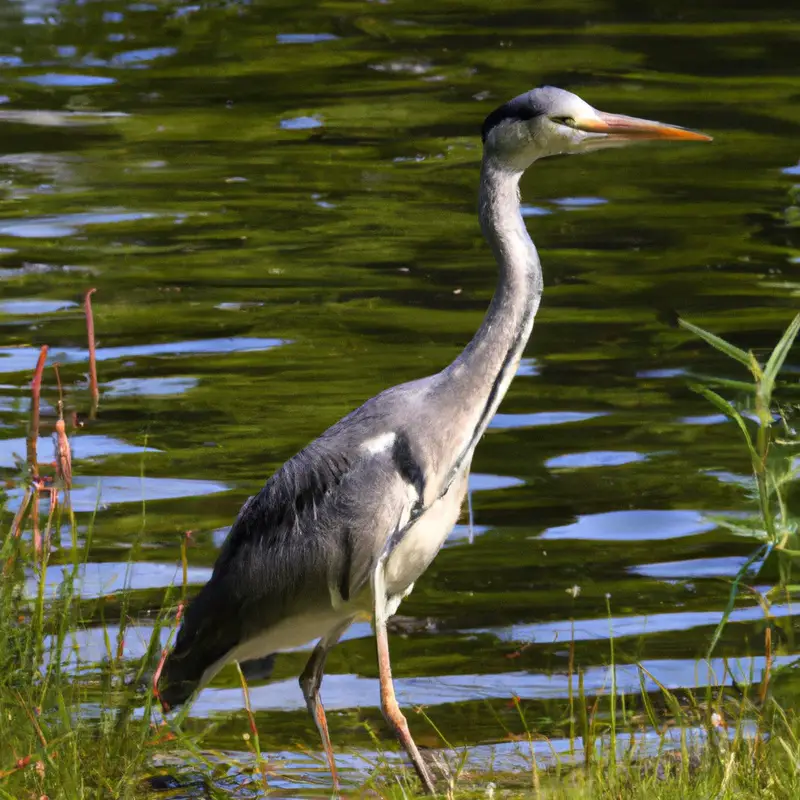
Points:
(771, 442)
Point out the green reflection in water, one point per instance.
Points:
(304, 175)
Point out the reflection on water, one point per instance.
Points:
(24, 358)
(277, 208)
(148, 386)
(96, 580)
(639, 525)
(501, 420)
(341, 689)
(581, 630)
(65, 225)
(87, 446)
(34, 306)
(89, 494)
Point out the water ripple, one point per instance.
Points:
(595, 458)
(83, 446)
(340, 690)
(304, 38)
(726, 567)
(101, 491)
(101, 579)
(541, 418)
(34, 306)
(142, 57)
(21, 359)
(584, 630)
(62, 80)
(640, 526)
(148, 387)
(67, 224)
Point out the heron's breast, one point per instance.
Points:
(424, 538)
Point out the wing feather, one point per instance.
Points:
(320, 521)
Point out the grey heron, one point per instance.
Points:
(346, 526)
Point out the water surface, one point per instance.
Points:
(276, 204)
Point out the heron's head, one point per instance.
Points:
(548, 121)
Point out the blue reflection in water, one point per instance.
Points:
(595, 458)
(304, 38)
(643, 525)
(141, 57)
(18, 359)
(148, 387)
(540, 418)
(34, 306)
(300, 123)
(61, 225)
(68, 81)
(82, 446)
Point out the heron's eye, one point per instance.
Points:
(568, 121)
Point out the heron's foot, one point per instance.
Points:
(400, 725)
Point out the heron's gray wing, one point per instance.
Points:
(304, 543)
(314, 532)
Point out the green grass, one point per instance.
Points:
(76, 730)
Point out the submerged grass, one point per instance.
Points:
(76, 730)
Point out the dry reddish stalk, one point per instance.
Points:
(21, 764)
(160, 667)
(262, 767)
(87, 306)
(32, 718)
(16, 525)
(767, 664)
(37, 534)
(64, 455)
(53, 492)
(16, 528)
(33, 433)
(63, 451)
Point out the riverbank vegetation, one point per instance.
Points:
(77, 728)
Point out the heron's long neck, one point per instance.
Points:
(479, 378)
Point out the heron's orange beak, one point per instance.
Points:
(619, 126)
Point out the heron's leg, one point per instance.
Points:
(391, 710)
(311, 680)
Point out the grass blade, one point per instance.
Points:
(716, 342)
(779, 355)
(729, 411)
(759, 553)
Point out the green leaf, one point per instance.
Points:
(761, 551)
(728, 383)
(726, 408)
(648, 706)
(735, 353)
(755, 368)
(779, 355)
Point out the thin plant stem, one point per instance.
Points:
(262, 767)
(570, 689)
(160, 667)
(33, 431)
(63, 450)
(185, 564)
(613, 697)
(16, 525)
(37, 534)
(767, 665)
(93, 385)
